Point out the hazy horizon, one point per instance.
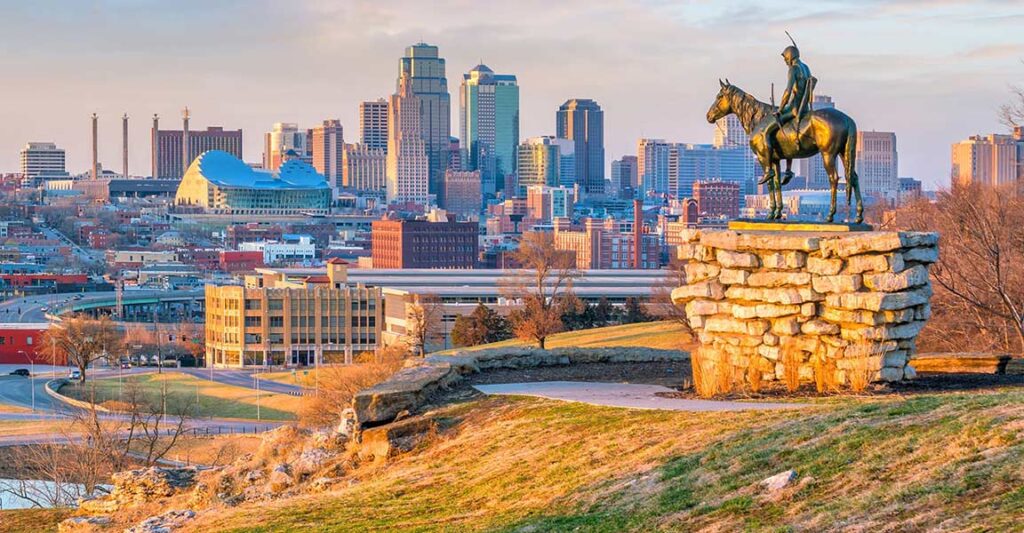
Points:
(933, 72)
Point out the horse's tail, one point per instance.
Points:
(850, 161)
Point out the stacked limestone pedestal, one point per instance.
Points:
(750, 295)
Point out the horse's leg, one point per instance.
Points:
(829, 159)
(849, 156)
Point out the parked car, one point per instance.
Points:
(75, 374)
(126, 365)
(21, 372)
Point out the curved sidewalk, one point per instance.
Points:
(628, 395)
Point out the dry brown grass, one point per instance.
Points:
(792, 358)
(337, 385)
(858, 376)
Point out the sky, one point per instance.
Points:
(934, 71)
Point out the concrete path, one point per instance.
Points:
(633, 396)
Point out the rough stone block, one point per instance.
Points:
(694, 252)
(689, 235)
(809, 309)
(769, 352)
(925, 254)
(819, 327)
(859, 264)
(891, 374)
(786, 326)
(778, 279)
(764, 311)
(770, 339)
(720, 324)
(875, 241)
(701, 308)
(880, 301)
(696, 271)
(787, 260)
(775, 296)
(895, 359)
(710, 289)
(840, 283)
(732, 276)
(729, 259)
(824, 267)
(923, 312)
(891, 282)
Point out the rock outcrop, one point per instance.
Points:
(841, 302)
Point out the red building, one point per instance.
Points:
(233, 261)
(717, 198)
(19, 343)
(424, 244)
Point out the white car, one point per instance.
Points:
(75, 374)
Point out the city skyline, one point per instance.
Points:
(914, 79)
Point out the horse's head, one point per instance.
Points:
(723, 103)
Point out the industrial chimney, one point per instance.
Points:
(156, 145)
(124, 145)
(95, 149)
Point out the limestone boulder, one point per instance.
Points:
(406, 390)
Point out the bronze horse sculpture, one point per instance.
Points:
(829, 132)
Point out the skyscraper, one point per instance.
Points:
(878, 164)
(625, 173)
(462, 195)
(408, 167)
(652, 157)
(991, 160)
(690, 163)
(582, 121)
(545, 161)
(813, 168)
(283, 138)
(730, 135)
(489, 124)
(373, 124)
(327, 148)
(424, 73)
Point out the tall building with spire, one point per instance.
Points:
(582, 121)
(489, 125)
(408, 164)
(422, 70)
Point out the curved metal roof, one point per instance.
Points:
(225, 170)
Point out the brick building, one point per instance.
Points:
(717, 198)
(424, 244)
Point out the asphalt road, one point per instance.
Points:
(30, 308)
(242, 378)
(17, 391)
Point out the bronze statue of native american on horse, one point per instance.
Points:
(794, 130)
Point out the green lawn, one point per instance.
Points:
(214, 399)
(949, 461)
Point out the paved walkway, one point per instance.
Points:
(633, 396)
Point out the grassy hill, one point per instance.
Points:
(661, 335)
(520, 464)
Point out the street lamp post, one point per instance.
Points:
(32, 377)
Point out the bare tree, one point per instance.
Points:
(662, 305)
(81, 341)
(979, 300)
(542, 285)
(1011, 114)
(424, 320)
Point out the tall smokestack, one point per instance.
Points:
(184, 142)
(124, 145)
(95, 148)
(156, 145)
(638, 229)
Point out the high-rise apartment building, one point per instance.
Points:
(169, 147)
(625, 173)
(652, 156)
(690, 163)
(423, 72)
(582, 121)
(373, 124)
(363, 168)
(993, 160)
(462, 192)
(489, 125)
(42, 159)
(282, 142)
(813, 168)
(878, 164)
(408, 164)
(327, 148)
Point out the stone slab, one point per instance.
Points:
(796, 225)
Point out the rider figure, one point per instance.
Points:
(793, 104)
